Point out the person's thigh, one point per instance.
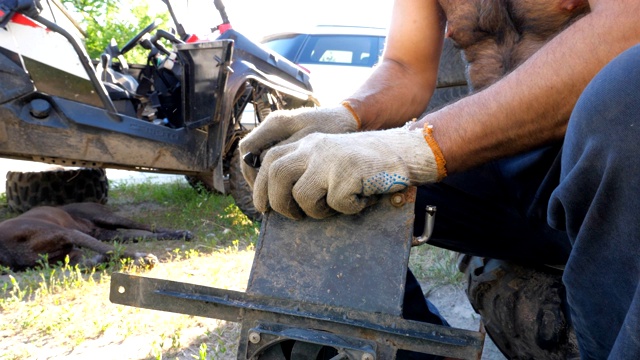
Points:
(598, 204)
(498, 210)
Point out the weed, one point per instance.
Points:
(175, 340)
(202, 352)
(156, 349)
(435, 266)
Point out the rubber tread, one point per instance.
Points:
(25, 190)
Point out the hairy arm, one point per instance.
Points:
(531, 106)
(402, 84)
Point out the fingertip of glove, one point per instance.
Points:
(293, 213)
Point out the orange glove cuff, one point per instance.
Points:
(347, 105)
(441, 163)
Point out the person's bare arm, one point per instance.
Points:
(531, 106)
(402, 84)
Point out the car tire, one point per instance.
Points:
(240, 190)
(234, 184)
(59, 186)
(523, 308)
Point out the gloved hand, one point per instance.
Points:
(323, 174)
(286, 126)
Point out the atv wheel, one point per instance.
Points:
(523, 309)
(240, 190)
(60, 186)
(234, 184)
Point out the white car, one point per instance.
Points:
(338, 58)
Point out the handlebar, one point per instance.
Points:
(179, 27)
(162, 34)
(223, 13)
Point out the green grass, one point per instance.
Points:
(211, 217)
(434, 266)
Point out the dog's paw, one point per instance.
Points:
(175, 235)
(147, 260)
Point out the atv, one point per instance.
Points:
(179, 113)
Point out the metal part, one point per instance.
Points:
(83, 57)
(367, 356)
(68, 162)
(339, 357)
(39, 108)
(397, 199)
(339, 261)
(391, 331)
(429, 223)
(334, 285)
(254, 337)
(252, 160)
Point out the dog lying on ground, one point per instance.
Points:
(57, 232)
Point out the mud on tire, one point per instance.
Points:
(523, 308)
(240, 190)
(26, 190)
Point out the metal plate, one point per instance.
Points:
(354, 261)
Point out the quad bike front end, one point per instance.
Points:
(179, 113)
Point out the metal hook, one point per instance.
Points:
(429, 222)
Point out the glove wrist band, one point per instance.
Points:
(347, 105)
(441, 163)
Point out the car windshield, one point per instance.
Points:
(287, 46)
(342, 49)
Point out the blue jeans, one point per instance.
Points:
(598, 204)
(575, 203)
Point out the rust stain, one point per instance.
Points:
(410, 194)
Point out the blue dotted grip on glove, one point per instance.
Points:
(383, 183)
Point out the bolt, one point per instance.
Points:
(367, 356)
(398, 199)
(254, 337)
(39, 108)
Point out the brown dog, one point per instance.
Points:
(58, 232)
(496, 36)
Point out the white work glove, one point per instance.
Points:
(286, 126)
(323, 174)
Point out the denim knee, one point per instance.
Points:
(602, 138)
(598, 204)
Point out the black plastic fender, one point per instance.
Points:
(254, 61)
(14, 80)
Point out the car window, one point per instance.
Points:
(287, 46)
(342, 50)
